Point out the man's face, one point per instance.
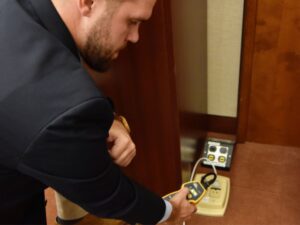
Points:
(113, 29)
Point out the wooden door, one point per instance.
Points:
(142, 85)
(270, 78)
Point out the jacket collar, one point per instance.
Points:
(54, 24)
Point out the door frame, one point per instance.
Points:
(247, 55)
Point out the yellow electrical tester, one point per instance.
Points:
(196, 192)
(197, 189)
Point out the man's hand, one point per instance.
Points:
(182, 209)
(122, 148)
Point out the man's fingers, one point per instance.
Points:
(125, 159)
(127, 156)
(184, 208)
(119, 147)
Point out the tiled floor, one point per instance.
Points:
(264, 189)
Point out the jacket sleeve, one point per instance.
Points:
(70, 155)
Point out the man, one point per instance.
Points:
(54, 122)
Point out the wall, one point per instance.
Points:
(207, 40)
(224, 30)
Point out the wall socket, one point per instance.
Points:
(214, 192)
(219, 152)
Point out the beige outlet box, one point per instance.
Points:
(215, 201)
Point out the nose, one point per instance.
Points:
(133, 35)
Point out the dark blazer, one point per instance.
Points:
(54, 123)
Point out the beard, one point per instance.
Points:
(97, 52)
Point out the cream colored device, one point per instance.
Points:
(215, 200)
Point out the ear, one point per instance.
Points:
(85, 6)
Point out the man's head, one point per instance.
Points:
(101, 28)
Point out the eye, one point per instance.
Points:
(134, 22)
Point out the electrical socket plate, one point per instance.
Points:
(215, 200)
(219, 152)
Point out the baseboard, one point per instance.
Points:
(199, 123)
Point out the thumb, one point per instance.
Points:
(181, 194)
(184, 191)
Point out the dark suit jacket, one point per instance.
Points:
(54, 123)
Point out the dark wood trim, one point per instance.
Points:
(222, 124)
(197, 124)
(192, 121)
(248, 46)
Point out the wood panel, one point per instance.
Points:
(197, 125)
(249, 26)
(142, 85)
(274, 109)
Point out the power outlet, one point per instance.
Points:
(219, 152)
(214, 192)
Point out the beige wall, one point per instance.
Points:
(207, 42)
(224, 32)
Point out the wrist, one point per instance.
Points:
(168, 212)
